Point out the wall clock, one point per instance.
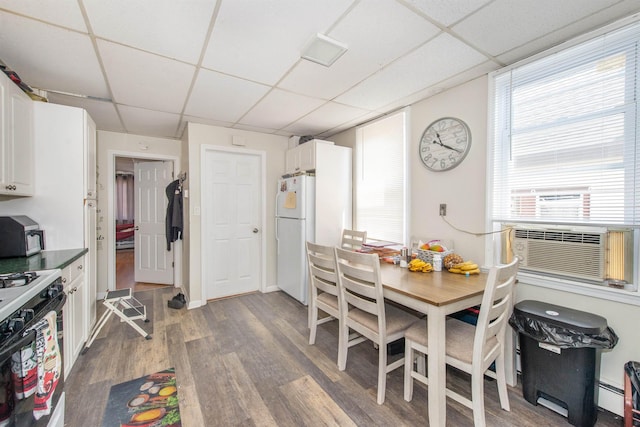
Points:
(444, 144)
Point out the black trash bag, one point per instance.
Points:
(544, 332)
(632, 370)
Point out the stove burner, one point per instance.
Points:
(17, 279)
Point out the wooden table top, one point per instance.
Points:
(436, 288)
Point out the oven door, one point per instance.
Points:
(26, 400)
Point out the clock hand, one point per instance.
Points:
(439, 142)
(451, 148)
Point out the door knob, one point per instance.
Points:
(255, 230)
(136, 228)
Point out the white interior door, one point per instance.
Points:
(232, 228)
(153, 262)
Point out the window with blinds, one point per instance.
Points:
(380, 177)
(565, 149)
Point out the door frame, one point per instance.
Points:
(262, 155)
(111, 228)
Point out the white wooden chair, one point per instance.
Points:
(353, 239)
(364, 311)
(472, 349)
(322, 285)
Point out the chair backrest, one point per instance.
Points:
(359, 283)
(353, 239)
(496, 307)
(322, 269)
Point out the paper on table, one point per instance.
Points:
(290, 201)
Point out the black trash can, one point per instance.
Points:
(560, 357)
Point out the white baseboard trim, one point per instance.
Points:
(271, 288)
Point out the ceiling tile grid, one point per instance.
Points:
(149, 66)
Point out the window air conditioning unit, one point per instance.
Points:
(572, 253)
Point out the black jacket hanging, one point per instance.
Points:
(173, 220)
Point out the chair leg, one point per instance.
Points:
(408, 368)
(477, 398)
(502, 383)
(313, 324)
(343, 345)
(382, 373)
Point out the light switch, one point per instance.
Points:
(196, 210)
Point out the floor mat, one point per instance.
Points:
(149, 401)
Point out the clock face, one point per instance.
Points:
(444, 144)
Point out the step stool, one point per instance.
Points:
(123, 304)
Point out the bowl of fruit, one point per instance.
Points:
(427, 250)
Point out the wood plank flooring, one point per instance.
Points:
(125, 272)
(246, 361)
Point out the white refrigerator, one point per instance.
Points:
(295, 224)
(308, 208)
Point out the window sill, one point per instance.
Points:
(601, 292)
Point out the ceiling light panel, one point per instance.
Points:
(323, 50)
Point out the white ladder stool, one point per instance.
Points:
(123, 304)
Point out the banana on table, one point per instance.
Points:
(467, 267)
(419, 265)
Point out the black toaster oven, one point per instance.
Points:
(20, 236)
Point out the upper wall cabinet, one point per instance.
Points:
(303, 157)
(16, 140)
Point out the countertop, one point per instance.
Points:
(45, 260)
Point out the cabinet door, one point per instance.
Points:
(90, 158)
(308, 156)
(292, 160)
(301, 158)
(75, 312)
(78, 293)
(17, 163)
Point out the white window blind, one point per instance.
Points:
(380, 178)
(566, 131)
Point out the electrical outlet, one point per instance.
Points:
(443, 209)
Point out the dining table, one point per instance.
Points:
(438, 294)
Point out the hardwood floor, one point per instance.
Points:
(125, 273)
(246, 361)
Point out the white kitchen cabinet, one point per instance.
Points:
(303, 157)
(16, 140)
(75, 312)
(63, 201)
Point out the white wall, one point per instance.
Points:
(135, 146)
(463, 189)
(197, 135)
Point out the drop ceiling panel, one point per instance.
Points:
(176, 29)
(223, 97)
(41, 54)
(62, 13)
(101, 112)
(147, 122)
(449, 11)
(398, 30)
(438, 59)
(570, 31)
(145, 80)
(279, 108)
(260, 40)
(329, 116)
(521, 22)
